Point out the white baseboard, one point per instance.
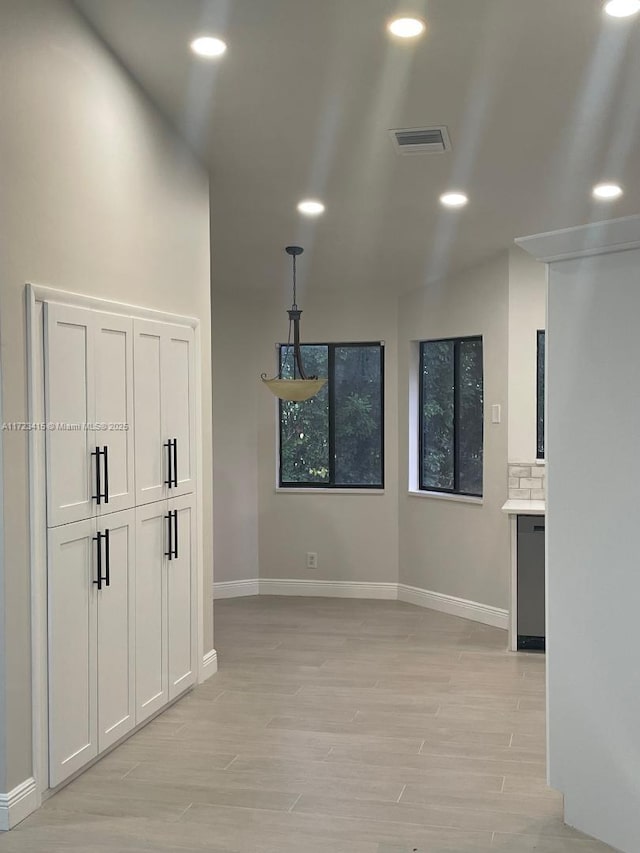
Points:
(235, 589)
(209, 665)
(328, 589)
(18, 804)
(485, 613)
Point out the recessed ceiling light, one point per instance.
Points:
(622, 8)
(454, 199)
(607, 192)
(208, 47)
(406, 28)
(311, 207)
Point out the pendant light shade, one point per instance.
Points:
(301, 387)
(295, 390)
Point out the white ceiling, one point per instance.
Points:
(541, 98)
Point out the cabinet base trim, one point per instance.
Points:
(49, 792)
(18, 803)
(530, 643)
(209, 665)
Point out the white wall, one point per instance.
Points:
(236, 372)
(96, 196)
(261, 532)
(527, 314)
(593, 539)
(454, 548)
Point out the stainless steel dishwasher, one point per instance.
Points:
(531, 582)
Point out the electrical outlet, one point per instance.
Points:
(312, 560)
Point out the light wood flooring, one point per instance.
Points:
(333, 726)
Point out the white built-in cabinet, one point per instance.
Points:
(165, 602)
(164, 410)
(89, 381)
(91, 639)
(120, 401)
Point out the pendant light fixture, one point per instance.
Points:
(301, 387)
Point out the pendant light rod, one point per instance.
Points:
(294, 251)
(294, 317)
(295, 313)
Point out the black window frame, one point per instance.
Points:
(540, 391)
(331, 484)
(456, 403)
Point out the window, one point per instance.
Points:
(335, 439)
(540, 395)
(451, 416)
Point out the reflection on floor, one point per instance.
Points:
(333, 726)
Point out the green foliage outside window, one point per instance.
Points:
(335, 439)
(451, 416)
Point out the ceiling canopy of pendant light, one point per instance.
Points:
(301, 387)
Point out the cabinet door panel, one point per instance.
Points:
(72, 623)
(114, 406)
(69, 408)
(150, 609)
(178, 388)
(116, 627)
(181, 588)
(151, 455)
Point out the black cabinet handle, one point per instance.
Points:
(175, 535)
(98, 539)
(107, 554)
(169, 480)
(169, 553)
(175, 462)
(98, 495)
(105, 452)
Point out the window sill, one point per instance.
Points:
(444, 496)
(310, 490)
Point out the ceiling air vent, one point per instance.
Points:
(421, 140)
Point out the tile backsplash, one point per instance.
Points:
(527, 481)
